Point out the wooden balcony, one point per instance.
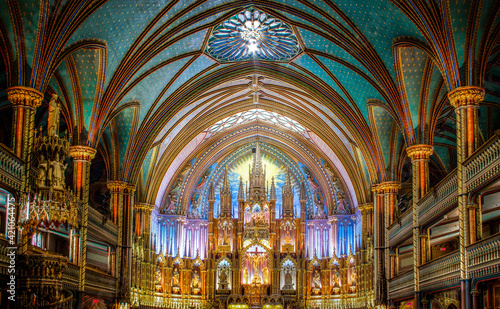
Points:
(11, 168)
(441, 272)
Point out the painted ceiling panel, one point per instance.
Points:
(123, 123)
(7, 23)
(384, 126)
(201, 63)
(435, 80)
(316, 42)
(444, 155)
(309, 64)
(352, 82)
(488, 6)
(150, 87)
(119, 23)
(381, 22)
(87, 66)
(146, 165)
(29, 15)
(188, 44)
(62, 70)
(411, 72)
(459, 9)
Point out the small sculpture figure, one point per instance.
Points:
(172, 203)
(196, 280)
(265, 275)
(175, 277)
(316, 279)
(245, 275)
(53, 120)
(42, 171)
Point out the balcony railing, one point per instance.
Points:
(442, 271)
(484, 164)
(11, 168)
(401, 285)
(483, 256)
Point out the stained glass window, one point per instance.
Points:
(253, 35)
(257, 114)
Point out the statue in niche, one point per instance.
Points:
(57, 169)
(342, 206)
(177, 185)
(186, 169)
(158, 286)
(329, 170)
(336, 278)
(265, 275)
(202, 182)
(312, 183)
(288, 281)
(172, 203)
(316, 279)
(53, 120)
(175, 277)
(42, 172)
(288, 238)
(194, 208)
(196, 280)
(353, 277)
(223, 279)
(245, 275)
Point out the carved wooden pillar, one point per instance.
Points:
(466, 101)
(419, 155)
(82, 155)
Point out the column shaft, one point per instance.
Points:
(82, 156)
(465, 100)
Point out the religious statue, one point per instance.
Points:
(312, 183)
(57, 168)
(196, 280)
(42, 171)
(175, 277)
(53, 120)
(288, 238)
(245, 275)
(342, 206)
(288, 280)
(202, 182)
(223, 283)
(194, 208)
(265, 275)
(172, 199)
(316, 279)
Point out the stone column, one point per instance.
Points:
(476, 297)
(82, 155)
(367, 245)
(25, 101)
(465, 100)
(419, 155)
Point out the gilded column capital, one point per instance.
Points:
(82, 153)
(143, 207)
(419, 152)
(24, 96)
(365, 208)
(116, 185)
(390, 187)
(472, 206)
(466, 96)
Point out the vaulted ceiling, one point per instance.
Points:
(143, 82)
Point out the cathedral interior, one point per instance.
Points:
(246, 154)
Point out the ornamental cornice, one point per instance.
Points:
(389, 187)
(82, 153)
(143, 207)
(420, 152)
(466, 96)
(120, 186)
(366, 208)
(24, 96)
